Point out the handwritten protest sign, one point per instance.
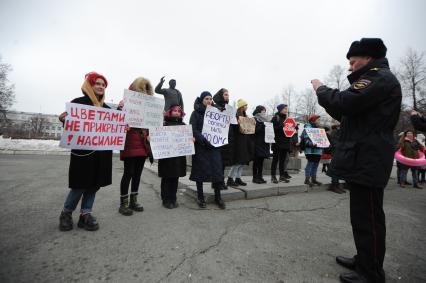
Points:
(171, 141)
(318, 137)
(142, 110)
(233, 112)
(216, 126)
(269, 133)
(93, 128)
(247, 125)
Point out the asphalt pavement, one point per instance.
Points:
(288, 238)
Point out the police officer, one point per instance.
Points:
(368, 112)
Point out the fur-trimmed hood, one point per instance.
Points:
(142, 84)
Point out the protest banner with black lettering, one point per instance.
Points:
(171, 141)
(142, 110)
(318, 137)
(269, 132)
(93, 128)
(216, 126)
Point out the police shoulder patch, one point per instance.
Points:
(360, 84)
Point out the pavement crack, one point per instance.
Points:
(195, 254)
(303, 210)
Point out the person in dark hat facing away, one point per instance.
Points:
(368, 112)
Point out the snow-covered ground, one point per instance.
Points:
(37, 145)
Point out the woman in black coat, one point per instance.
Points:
(242, 148)
(170, 169)
(207, 161)
(281, 147)
(89, 170)
(261, 149)
(220, 99)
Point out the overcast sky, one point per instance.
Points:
(252, 48)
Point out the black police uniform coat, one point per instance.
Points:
(368, 112)
(89, 169)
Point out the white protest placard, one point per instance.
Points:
(318, 137)
(171, 141)
(93, 128)
(269, 132)
(142, 110)
(233, 111)
(216, 126)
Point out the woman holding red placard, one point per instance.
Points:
(89, 170)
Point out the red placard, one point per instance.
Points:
(289, 127)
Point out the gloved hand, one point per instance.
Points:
(151, 158)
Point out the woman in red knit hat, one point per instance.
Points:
(89, 169)
(136, 150)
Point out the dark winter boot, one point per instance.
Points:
(134, 205)
(315, 182)
(284, 179)
(124, 207)
(201, 202)
(65, 221)
(240, 182)
(88, 222)
(231, 182)
(286, 175)
(218, 199)
(335, 189)
(274, 180)
(308, 181)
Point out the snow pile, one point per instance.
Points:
(38, 145)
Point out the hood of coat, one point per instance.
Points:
(87, 90)
(142, 84)
(219, 100)
(199, 106)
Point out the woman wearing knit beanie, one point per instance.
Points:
(312, 153)
(136, 150)
(242, 148)
(89, 170)
(207, 161)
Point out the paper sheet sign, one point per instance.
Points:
(216, 126)
(171, 141)
(93, 128)
(318, 137)
(142, 110)
(269, 132)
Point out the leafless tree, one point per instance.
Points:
(7, 95)
(337, 78)
(307, 104)
(36, 125)
(412, 74)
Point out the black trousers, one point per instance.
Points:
(258, 167)
(369, 230)
(133, 167)
(169, 188)
(279, 156)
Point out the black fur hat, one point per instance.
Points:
(373, 47)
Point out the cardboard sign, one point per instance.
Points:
(171, 141)
(93, 128)
(216, 126)
(234, 113)
(318, 137)
(142, 110)
(269, 132)
(247, 125)
(289, 127)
